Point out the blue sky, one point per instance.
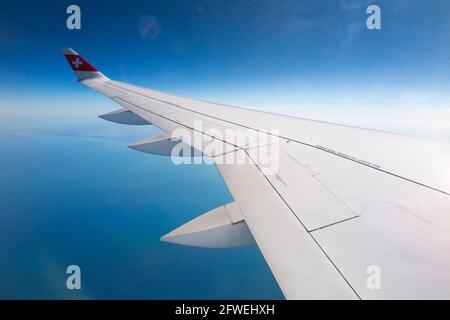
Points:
(308, 58)
(226, 44)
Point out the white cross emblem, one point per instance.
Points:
(77, 62)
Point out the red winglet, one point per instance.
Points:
(77, 62)
(82, 68)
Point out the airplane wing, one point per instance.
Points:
(338, 212)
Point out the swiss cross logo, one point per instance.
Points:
(77, 63)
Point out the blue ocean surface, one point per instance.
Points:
(76, 194)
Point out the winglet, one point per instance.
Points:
(83, 69)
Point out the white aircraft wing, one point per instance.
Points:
(343, 212)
